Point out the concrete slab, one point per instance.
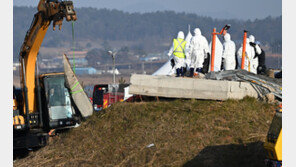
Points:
(172, 87)
(77, 93)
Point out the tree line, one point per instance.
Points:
(151, 28)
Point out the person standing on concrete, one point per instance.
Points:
(198, 50)
(228, 53)
(257, 50)
(259, 58)
(250, 54)
(178, 49)
(187, 59)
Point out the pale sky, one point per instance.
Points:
(239, 9)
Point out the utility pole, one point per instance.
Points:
(113, 54)
(113, 58)
(278, 52)
(143, 68)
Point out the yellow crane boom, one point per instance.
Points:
(48, 11)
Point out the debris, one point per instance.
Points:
(52, 132)
(77, 93)
(262, 84)
(76, 125)
(270, 98)
(150, 145)
(173, 87)
(200, 76)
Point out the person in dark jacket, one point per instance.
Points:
(261, 69)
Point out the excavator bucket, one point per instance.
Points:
(69, 11)
(77, 93)
(63, 9)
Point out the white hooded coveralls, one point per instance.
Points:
(250, 53)
(255, 62)
(198, 49)
(188, 39)
(229, 53)
(218, 55)
(179, 62)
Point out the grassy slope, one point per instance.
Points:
(185, 133)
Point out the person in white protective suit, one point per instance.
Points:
(218, 57)
(187, 39)
(257, 49)
(198, 50)
(228, 53)
(178, 49)
(250, 53)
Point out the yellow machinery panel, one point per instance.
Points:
(273, 143)
(274, 149)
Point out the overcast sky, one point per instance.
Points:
(240, 9)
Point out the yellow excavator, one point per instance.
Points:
(43, 102)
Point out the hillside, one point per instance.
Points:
(150, 32)
(184, 132)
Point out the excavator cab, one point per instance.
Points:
(57, 102)
(273, 144)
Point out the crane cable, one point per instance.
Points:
(73, 39)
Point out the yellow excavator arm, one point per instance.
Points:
(48, 11)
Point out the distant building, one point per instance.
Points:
(79, 62)
(80, 58)
(115, 71)
(152, 57)
(50, 63)
(87, 70)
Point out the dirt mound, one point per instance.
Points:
(180, 133)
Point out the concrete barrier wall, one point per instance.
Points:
(167, 86)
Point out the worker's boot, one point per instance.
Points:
(191, 72)
(199, 70)
(183, 71)
(178, 70)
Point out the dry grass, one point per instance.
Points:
(185, 133)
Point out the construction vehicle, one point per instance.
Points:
(43, 102)
(103, 95)
(273, 143)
